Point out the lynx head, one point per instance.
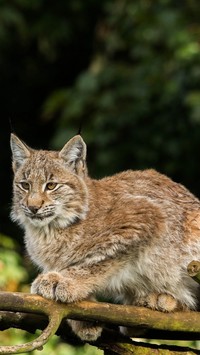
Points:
(48, 186)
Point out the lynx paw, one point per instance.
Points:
(167, 303)
(161, 302)
(53, 286)
(86, 331)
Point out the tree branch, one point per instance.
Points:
(55, 319)
(146, 349)
(186, 323)
(194, 270)
(129, 316)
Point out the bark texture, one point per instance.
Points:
(31, 312)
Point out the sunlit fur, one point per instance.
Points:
(126, 238)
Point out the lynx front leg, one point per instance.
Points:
(74, 285)
(55, 286)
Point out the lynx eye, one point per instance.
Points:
(25, 185)
(51, 185)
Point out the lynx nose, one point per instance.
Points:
(33, 209)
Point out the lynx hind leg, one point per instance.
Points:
(161, 302)
(86, 331)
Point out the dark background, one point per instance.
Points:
(127, 72)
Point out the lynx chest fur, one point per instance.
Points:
(118, 237)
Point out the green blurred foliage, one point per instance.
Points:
(13, 275)
(39, 41)
(44, 45)
(53, 347)
(138, 100)
(127, 71)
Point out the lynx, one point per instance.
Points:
(127, 238)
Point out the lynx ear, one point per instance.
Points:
(20, 151)
(74, 154)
